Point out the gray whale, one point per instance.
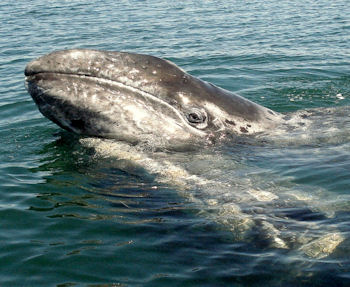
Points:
(128, 97)
(122, 99)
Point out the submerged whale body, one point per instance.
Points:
(129, 97)
(123, 99)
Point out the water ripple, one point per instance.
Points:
(79, 219)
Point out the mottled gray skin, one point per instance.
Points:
(134, 97)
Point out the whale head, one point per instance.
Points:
(134, 97)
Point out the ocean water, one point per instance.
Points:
(69, 217)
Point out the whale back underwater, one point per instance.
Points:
(184, 131)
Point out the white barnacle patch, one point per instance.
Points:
(134, 71)
(125, 80)
(93, 98)
(131, 82)
(84, 95)
(185, 100)
(75, 55)
(111, 67)
(216, 111)
(137, 114)
(219, 124)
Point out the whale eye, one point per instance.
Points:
(196, 116)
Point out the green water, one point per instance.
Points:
(68, 218)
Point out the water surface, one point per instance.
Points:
(69, 218)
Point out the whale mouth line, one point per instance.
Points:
(35, 77)
(30, 75)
